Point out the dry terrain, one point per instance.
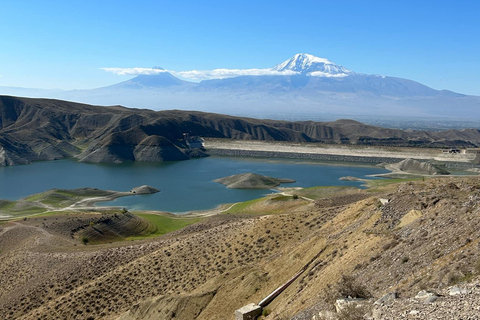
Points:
(425, 237)
(45, 129)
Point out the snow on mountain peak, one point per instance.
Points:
(314, 66)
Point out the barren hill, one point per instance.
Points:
(42, 129)
(423, 237)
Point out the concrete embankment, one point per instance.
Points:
(295, 155)
(337, 153)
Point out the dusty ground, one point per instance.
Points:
(425, 237)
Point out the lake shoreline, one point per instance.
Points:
(185, 185)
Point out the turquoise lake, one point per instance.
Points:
(184, 185)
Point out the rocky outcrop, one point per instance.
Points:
(144, 190)
(251, 181)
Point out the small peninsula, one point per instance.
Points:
(252, 181)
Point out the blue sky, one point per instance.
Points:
(64, 44)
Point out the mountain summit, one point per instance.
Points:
(314, 66)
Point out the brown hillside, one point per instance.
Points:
(424, 237)
(43, 129)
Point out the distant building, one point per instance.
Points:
(452, 151)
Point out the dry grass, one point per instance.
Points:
(45, 274)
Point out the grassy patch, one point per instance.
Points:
(63, 198)
(54, 198)
(379, 183)
(322, 192)
(243, 207)
(281, 198)
(163, 224)
(6, 205)
(19, 208)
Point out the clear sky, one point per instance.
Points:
(64, 44)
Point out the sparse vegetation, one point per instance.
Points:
(375, 184)
(243, 207)
(349, 286)
(322, 192)
(265, 312)
(163, 224)
(249, 253)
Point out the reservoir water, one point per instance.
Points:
(184, 185)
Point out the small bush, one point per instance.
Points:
(350, 287)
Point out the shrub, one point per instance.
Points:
(350, 287)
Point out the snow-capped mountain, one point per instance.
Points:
(302, 87)
(313, 66)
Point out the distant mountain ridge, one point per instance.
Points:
(302, 87)
(164, 79)
(45, 129)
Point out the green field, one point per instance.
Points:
(163, 224)
(45, 202)
(242, 207)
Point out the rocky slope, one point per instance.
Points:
(424, 237)
(42, 129)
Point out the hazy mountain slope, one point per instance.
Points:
(164, 79)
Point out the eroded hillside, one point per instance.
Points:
(43, 129)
